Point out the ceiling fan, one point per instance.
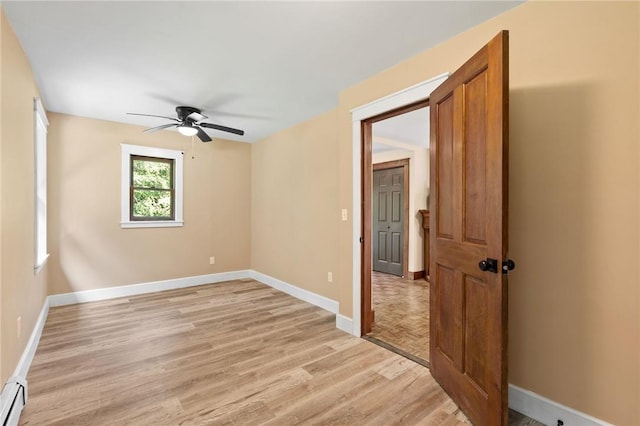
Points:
(189, 123)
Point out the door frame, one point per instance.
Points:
(361, 151)
(404, 163)
(367, 316)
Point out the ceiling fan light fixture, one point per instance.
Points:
(187, 130)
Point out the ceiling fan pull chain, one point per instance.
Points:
(193, 148)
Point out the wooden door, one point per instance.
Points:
(388, 220)
(469, 164)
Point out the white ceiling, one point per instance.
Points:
(259, 66)
(410, 128)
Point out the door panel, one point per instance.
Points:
(382, 247)
(475, 333)
(474, 157)
(445, 160)
(448, 340)
(469, 140)
(382, 206)
(396, 249)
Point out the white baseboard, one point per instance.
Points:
(547, 411)
(297, 292)
(345, 324)
(30, 350)
(15, 392)
(150, 287)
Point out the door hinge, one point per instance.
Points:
(361, 240)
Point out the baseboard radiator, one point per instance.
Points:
(13, 400)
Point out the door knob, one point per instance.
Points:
(488, 264)
(491, 265)
(508, 265)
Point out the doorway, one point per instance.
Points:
(386, 107)
(399, 176)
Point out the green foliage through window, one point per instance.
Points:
(152, 192)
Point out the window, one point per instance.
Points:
(151, 186)
(40, 179)
(151, 189)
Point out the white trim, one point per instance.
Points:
(38, 267)
(415, 93)
(42, 114)
(344, 323)
(547, 411)
(125, 169)
(297, 292)
(22, 368)
(357, 227)
(150, 287)
(152, 224)
(40, 124)
(30, 350)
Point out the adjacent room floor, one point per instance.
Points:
(401, 309)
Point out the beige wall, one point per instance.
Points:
(294, 206)
(89, 249)
(574, 188)
(22, 293)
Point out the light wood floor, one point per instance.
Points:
(401, 309)
(402, 321)
(236, 353)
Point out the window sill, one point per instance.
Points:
(39, 266)
(152, 224)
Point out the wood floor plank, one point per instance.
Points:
(236, 353)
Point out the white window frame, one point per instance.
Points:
(40, 124)
(146, 151)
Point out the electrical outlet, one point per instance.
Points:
(212, 260)
(330, 277)
(19, 326)
(345, 215)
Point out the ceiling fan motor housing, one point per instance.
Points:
(183, 112)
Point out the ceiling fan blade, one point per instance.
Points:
(155, 129)
(151, 115)
(222, 128)
(202, 135)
